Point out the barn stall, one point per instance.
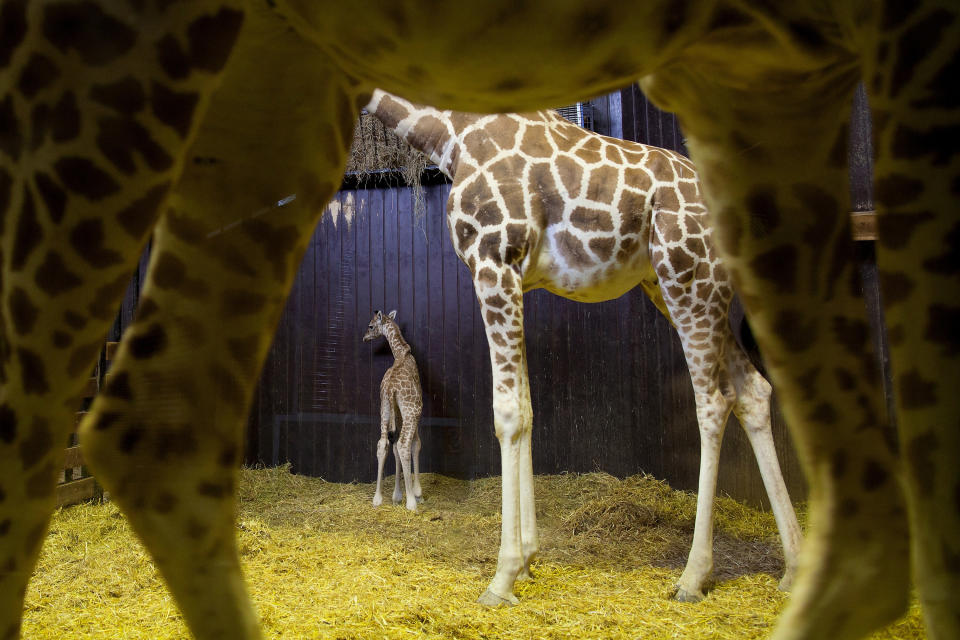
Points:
(615, 445)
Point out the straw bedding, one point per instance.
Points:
(321, 562)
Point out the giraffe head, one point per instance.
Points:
(375, 328)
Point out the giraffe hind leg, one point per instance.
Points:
(918, 183)
(784, 233)
(409, 414)
(415, 454)
(395, 444)
(752, 408)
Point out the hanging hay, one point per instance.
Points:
(375, 149)
(321, 562)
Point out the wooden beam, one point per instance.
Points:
(73, 459)
(863, 225)
(70, 493)
(93, 386)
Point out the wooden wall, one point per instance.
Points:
(610, 387)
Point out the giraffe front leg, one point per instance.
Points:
(167, 439)
(77, 216)
(784, 232)
(712, 412)
(498, 290)
(529, 536)
(383, 445)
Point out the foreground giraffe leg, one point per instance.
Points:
(786, 238)
(76, 217)
(498, 290)
(166, 438)
(917, 191)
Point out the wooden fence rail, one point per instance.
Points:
(76, 484)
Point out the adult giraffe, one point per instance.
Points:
(538, 202)
(196, 120)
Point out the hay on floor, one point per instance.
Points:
(321, 562)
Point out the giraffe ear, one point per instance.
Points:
(379, 315)
(393, 314)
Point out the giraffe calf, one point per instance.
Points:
(400, 395)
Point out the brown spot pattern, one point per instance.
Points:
(83, 177)
(591, 219)
(572, 250)
(139, 216)
(84, 27)
(240, 302)
(534, 142)
(13, 28)
(120, 138)
(23, 312)
(117, 385)
(211, 39)
(796, 333)
(37, 444)
(174, 109)
(8, 424)
(83, 358)
(54, 198)
(28, 233)
(38, 74)
(915, 391)
(778, 265)
(941, 329)
(32, 371)
(87, 239)
(602, 247)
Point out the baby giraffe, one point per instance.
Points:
(400, 394)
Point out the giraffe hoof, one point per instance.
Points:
(377, 501)
(525, 574)
(786, 583)
(491, 599)
(682, 595)
(419, 499)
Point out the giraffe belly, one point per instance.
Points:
(601, 282)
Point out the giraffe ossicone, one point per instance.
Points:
(538, 202)
(122, 120)
(401, 399)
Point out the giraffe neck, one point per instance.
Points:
(424, 128)
(398, 345)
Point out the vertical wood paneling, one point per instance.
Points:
(610, 386)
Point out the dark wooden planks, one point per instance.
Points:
(609, 382)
